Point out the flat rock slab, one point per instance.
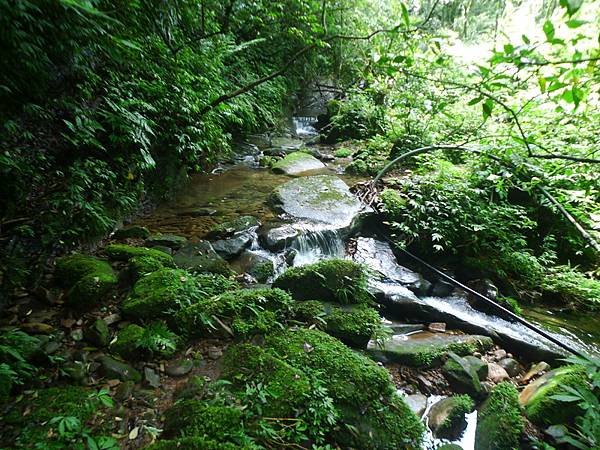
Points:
(320, 199)
(199, 257)
(426, 349)
(296, 163)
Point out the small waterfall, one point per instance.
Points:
(304, 126)
(314, 245)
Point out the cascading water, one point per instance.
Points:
(313, 245)
(305, 126)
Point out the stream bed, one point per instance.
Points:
(240, 187)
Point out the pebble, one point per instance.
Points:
(214, 352)
(496, 373)
(535, 370)
(179, 367)
(499, 354)
(437, 327)
(152, 378)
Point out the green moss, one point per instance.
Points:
(335, 280)
(195, 388)
(461, 405)
(309, 311)
(289, 387)
(245, 311)
(461, 376)
(132, 232)
(353, 326)
(542, 409)
(126, 343)
(143, 265)
(123, 252)
(500, 424)
(90, 279)
(194, 443)
(350, 377)
(161, 294)
(197, 418)
(262, 271)
(342, 152)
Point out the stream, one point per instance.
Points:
(298, 231)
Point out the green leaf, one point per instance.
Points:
(405, 16)
(548, 30)
(572, 6)
(487, 106)
(574, 23)
(542, 83)
(474, 101)
(525, 39)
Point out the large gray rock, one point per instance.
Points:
(234, 246)
(380, 258)
(277, 238)
(461, 376)
(322, 200)
(426, 349)
(296, 163)
(446, 418)
(417, 403)
(201, 257)
(113, 368)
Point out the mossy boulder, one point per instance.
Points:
(166, 291)
(537, 399)
(335, 280)
(354, 325)
(132, 232)
(462, 376)
(447, 417)
(289, 387)
(201, 257)
(97, 333)
(123, 252)
(166, 240)
(426, 349)
(88, 279)
(198, 418)
(262, 271)
(242, 312)
(231, 227)
(500, 424)
(126, 343)
(297, 162)
(143, 265)
(115, 369)
(359, 388)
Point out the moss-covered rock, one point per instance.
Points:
(461, 376)
(335, 280)
(135, 342)
(297, 162)
(289, 387)
(166, 240)
(262, 271)
(143, 265)
(166, 291)
(537, 399)
(194, 443)
(231, 227)
(126, 342)
(88, 279)
(123, 252)
(500, 423)
(354, 325)
(447, 417)
(132, 232)
(198, 418)
(201, 257)
(244, 312)
(97, 333)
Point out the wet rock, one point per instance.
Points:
(117, 369)
(112, 318)
(124, 391)
(132, 232)
(36, 328)
(447, 417)
(197, 212)
(442, 288)
(499, 354)
(286, 143)
(234, 246)
(535, 370)
(167, 240)
(537, 398)
(417, 403)
(179, 368)
(380, 258)
(232, 227)
(259, 267)
(296, 163)
(461, 376)
(201, 257)
(425, 349)
(404, 328)
(437, 327)
(215, 352)
(323, 199)
(496, 373)
(151, 377)
(480, 366)
(164, 249)
(510, 365)
(277, 238)
(97, 333)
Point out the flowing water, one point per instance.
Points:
(242, 188)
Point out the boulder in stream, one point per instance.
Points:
(232, 227)
(446, 418)
(201, 257)
(323, 200)
(234, 246)
(296, 163)
(277, 237)
(426, 349)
